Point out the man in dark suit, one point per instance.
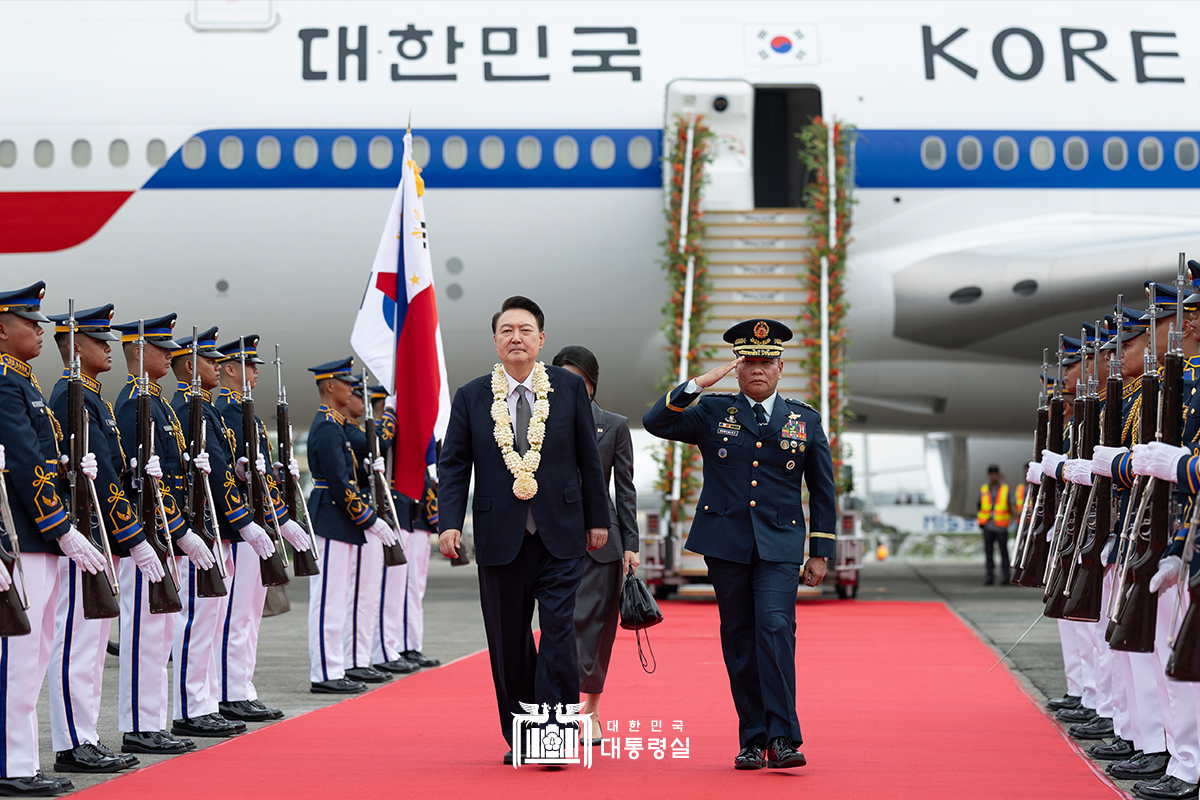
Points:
(750, 527)
(535, 514)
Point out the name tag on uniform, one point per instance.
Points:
(793, 429)
(725, 429)
(38, 404)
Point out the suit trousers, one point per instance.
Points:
(145, 647)
(757, 603)
(597, 613)
(238, 652)
(23, 662)
(194, 652)
(76, 664)
(507, 593)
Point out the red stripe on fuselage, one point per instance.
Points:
(40, 222)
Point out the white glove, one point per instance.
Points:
(293, 467)
(1107, 550)
(1050, 462)
(196, 550)
(147, 561)
(1102, 458)
(200, 462)
(295, 534)
(257, 538)
(2, 464)
(239, 468)
(87, 465)
(1078, 470)
(1167, 575)
(260, 464)
(382, 531)
(5, 578)
(379, 465)
(152, 466)
(1158, 460)
(76, 547)
(1034, 473)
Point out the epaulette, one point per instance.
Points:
(719, 394)
(801, 403)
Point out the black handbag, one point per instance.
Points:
(639, 610)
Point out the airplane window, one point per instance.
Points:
(969, 152)
(604, 152)
(454, 152)
(379, 152)
(1075, 153)
(304, 152)
(529, 152)
(1041, 152)
(118, 153)
(421, 151)
(81, 153)
(933, 152)
(230, 152)
(640, 152)
(8, 153)
(1115, 153)
(1150, 153)
(1185, 153)
(156, 153)
(268, 152)
(43, 153)
(566, 152)
(491, 152)
(1005, 152)
(345, 152)
(194, 153)
(965, 295)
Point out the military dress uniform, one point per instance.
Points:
(80, 644)
(750, 526)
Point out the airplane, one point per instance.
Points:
(1017, 164)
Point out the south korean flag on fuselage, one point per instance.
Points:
(781, 45)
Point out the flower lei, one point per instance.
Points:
(522, 467)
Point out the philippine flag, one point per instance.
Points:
(397, 334)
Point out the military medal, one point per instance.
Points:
(791, 465)
(722, 452)
(783, 444)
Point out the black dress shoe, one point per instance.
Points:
(204, 726)
(129, 758)
(63, 783)
(1099, 728)
(274, 712)
(243, 710)
(1074, 716)
(86, 758)
(420, 659)
(401, 666)
(782, 754)
(1066, 701)
(34, 786)
(750, 757)
(338, 686)
(114, 648)
(367, 675)
(1168, 789)
(1143, 767)
(1117, 750)
(154, 742)
(238, 725)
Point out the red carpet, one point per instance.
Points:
(893, 699)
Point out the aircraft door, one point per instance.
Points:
(728, 110)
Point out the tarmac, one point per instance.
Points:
(454, 629)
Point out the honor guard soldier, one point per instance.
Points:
(343, 522)
(146, 638)
(239, 640)
(30, 434)
(202, 618)
(750, 527)
(80, 644)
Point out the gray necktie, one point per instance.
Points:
(521, 425)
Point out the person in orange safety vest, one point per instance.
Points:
(994, 517)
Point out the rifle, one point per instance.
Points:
(304, 563)
(1027, 522)
(201, 512)
(1135, 623)
(13, 602)
(1037, 553)
(393, 555)
(1084, 589)
(272, 570)
(163, 596)
(100, 591)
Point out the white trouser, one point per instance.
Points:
(366, 574)
(243, 617)
(1072, 658)
(1178, 700)
(388, 641)
(328, 602)
(23, 662)
(145, 647)
(76, 664)
(1106, 704)
(418, 577)
(1144, 707)
(194, 649)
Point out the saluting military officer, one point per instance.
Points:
(343, 522)
(80, 644)
(750, 527)
(29, 435)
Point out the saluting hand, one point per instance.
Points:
(713, 375)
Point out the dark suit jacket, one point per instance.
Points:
(616, 460)
(570, 498)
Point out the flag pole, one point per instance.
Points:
(401, 286)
